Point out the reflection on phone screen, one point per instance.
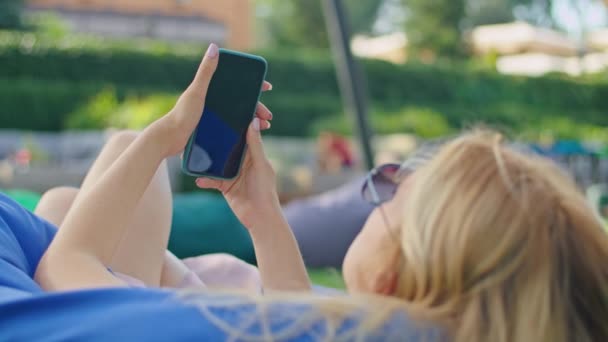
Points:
(212, 145)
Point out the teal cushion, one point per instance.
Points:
(28, 199)
(203, 223)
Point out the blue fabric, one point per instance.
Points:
(150, 315)
(127, 314)
(103, 315)
(23, 239)
(290, 320)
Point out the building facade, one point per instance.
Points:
(228, 22)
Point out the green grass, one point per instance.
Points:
(328, 277)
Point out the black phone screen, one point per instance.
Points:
(220, 138)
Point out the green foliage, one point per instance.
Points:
(362, 14)
(563, 127)
(10, 13)
(301, 23)
(295, 114)
(433, 28)
(95, 113)
(433, 120)
(484, 12)
(60, 82)
(422, 121)
(137, 112)
(40, 105)
(296, 23)
(107, 110)
(47, 26)
(537, 12)
(328, 277)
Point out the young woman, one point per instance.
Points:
(492, 244)
(485, 242)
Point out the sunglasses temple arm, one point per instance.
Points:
(372, 189)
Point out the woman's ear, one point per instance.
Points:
(385, 282)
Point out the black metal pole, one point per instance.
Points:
(350, 77)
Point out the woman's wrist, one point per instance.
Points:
(268, 221)
(278, 255)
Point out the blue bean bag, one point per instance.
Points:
(27, 313)
(28, 199)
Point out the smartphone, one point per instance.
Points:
(217, 146)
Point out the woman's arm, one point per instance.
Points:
(93, 228)
(278, 255)
(253, 197)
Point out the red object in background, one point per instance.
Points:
(341, 147)
(23, 157)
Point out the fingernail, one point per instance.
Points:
(212, 51)
(270, 86)
(256, 124)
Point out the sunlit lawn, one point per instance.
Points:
(327, 277)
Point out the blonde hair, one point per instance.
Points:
(501, 246)
(497, 246)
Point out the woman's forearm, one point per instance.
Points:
(96, 223)
(278, 256)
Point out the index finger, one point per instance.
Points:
(266, 86)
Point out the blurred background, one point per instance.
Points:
(71, 71)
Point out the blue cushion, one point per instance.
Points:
(102, 315)
(29, 314)
(151, 315)
(23, 239)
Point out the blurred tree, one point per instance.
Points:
(10, 13)
(485, 12)
(301, 22)
(537, 12)
(363, 14)
(434, 28)
(298, 23)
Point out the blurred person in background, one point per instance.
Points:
(335, 153)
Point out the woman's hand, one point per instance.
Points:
(176, 127)
(252, 196)
(253, 193)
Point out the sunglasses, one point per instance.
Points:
(381, 183)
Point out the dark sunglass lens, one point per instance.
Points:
(389, 172)
(385, 188)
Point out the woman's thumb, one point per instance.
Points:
(205, 71)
